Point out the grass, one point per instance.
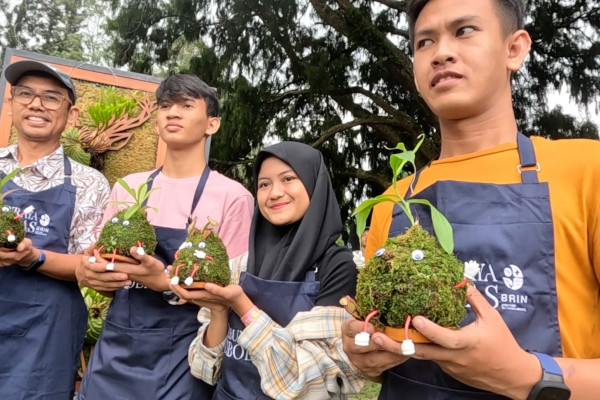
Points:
(370, 391)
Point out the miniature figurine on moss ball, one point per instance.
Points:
(201, 258)
(128, 228)
(413, 274)
(12, 228)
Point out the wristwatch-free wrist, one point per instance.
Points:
(552, 385)
(34, 266)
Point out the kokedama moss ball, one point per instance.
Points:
(413, 276)
(10, 228)
(122, 234)
(202, 258)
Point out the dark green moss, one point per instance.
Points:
(121, 237)
(8, 225)
(215, 270)
(398, 286)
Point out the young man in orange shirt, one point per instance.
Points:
(525, 210)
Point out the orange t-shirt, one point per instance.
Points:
(572, 169)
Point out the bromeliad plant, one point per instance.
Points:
(414, 273)
(201, 258)
(128, 227)
(12, 228)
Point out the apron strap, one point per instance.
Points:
(197, 195)
(67, 164)
(529, 166)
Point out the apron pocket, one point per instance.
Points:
(17, 318)
(222, 394)
(129, 363)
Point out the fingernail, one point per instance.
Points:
(378, 341)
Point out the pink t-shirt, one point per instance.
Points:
(224, 200)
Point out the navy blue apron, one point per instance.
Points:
(42, 320)
(142, 352)
(240, 379)
(508, 230)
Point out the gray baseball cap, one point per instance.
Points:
(15, 70)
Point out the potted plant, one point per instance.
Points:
(128, 227)
(414, 273)
(12, 228)
(201, 258)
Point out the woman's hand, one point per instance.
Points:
(201, 298)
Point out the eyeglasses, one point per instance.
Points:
(50, 101)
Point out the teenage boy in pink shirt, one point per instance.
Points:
(142, 352)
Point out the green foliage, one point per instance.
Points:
(338, 75)
(8, 224)
(97, 306)
(7, 178)
(119, 237)
(45, 26)
(110, 107)
(207, 270)
(139, 197)
(369, 392)
(71, 141)
(397, 285)
(441, 226)
(129, 227)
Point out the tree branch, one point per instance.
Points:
(396, 5)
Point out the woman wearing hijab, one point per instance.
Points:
(275, 331)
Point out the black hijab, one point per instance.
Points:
(286, 253)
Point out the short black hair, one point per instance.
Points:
(511, 13)
(178, 87)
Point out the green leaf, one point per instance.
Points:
(441, 226)
(127, 188)
(421, 138)
(364, 209)
(398, 161)
(130, 211)
(9, 176)
(370, 203)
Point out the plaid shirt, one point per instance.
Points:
(47, 172)
(303, 360)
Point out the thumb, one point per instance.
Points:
(90, 250)
(478, 302)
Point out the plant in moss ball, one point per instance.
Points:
(128, 227)
(12, 228)
(414, 273)
(201, 258)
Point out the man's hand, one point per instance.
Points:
(94, 274)
(150, 272)
(484, 354)
(374, 359)
(24, 255)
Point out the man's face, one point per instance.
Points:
(184, 123)
(36, 123)
(461, 56)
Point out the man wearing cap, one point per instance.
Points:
(42, 314)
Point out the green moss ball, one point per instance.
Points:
(202, 243)
(398, 285)
(9, 225)
(122, 234)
